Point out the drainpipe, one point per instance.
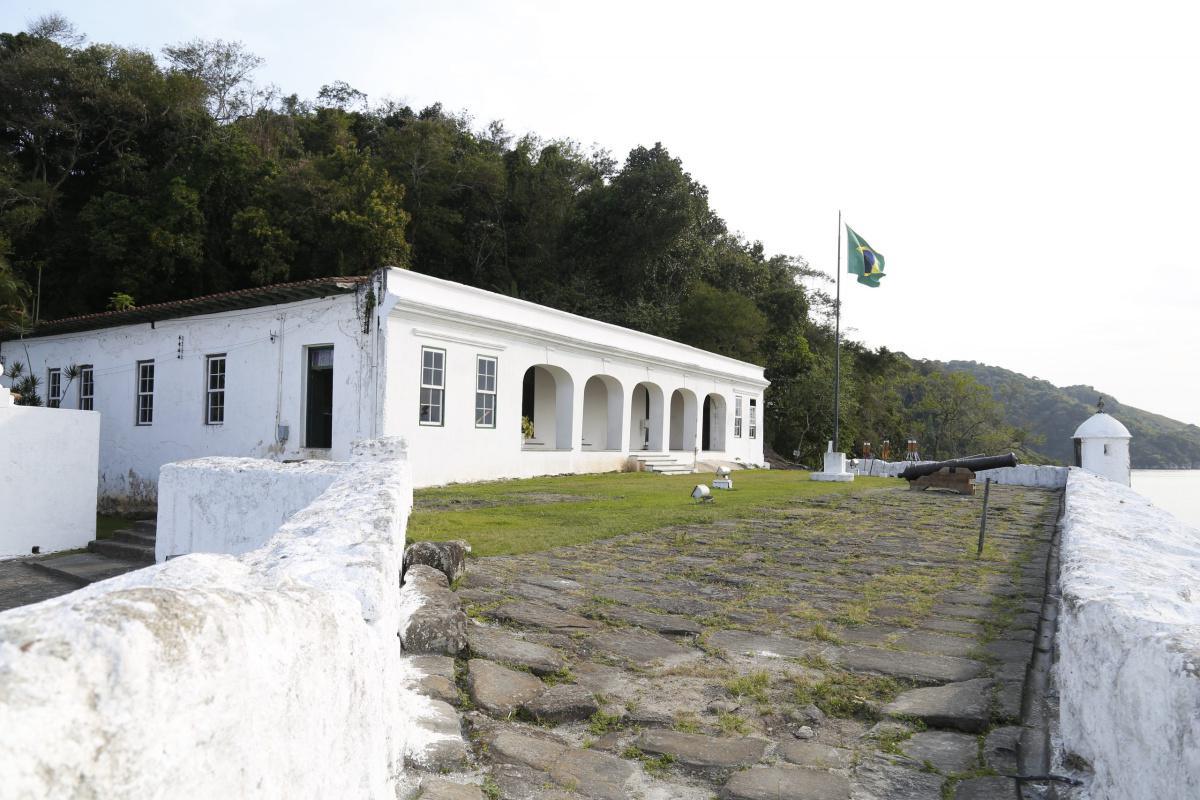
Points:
(279, 381)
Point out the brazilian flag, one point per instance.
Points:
(862, 260)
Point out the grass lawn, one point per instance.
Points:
(523, 516)
(106, 526)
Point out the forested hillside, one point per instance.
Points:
(1053, 413)
(128, 177)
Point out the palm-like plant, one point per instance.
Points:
(25, 387)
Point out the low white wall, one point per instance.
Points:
(1040, 475)
(276, 673)
(1037, 475)
(232, 505)
(1129, 642)
(48, 465)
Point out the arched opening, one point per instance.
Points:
(646, 417)
(713, 425)
(546, 397)
(683, 420)
(602, 412)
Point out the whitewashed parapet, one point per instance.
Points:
(1129, 642)
(1041, 476)
(232, 505)
(1037, 475)
(276, 673)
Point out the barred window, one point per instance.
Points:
(737, 416)
(53, 388)
(145, 393)
(485, 392)
(214, 392)
(87, 388)
(753, 418)
(433, 385)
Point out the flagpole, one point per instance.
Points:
(837, 358)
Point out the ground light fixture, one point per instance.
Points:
(723, 481)
(701, 494)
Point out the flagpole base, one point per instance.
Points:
(835, 469)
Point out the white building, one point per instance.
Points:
(298, 371)
(1102, 446)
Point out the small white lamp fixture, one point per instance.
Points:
(701, 494)
(723, 481)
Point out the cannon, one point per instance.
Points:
(957, 474)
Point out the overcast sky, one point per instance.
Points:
(1028, 169)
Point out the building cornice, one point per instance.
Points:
(410, 308)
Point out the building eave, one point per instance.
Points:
(255, 297)
(408, 309)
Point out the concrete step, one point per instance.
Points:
(671, 470)
(146, 539)
(85, 568)
(122, 550)
(148, 525)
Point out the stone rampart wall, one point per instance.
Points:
(275, 673)
(1129, 642)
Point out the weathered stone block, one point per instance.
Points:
(432, 619)
(498, 645)
(442, 789)
(499, 690)
(795, 783)
(449, 558)
(563, 703)
(963, 706)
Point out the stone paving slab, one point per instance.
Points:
(540, 616)
(947, 751)
(22, 584)
(962, 706)
(498, 690)
(794, 783)
(498, 645)
(918, 667)
(701, 752)
(85, 568)
(784, 635)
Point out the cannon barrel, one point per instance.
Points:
(974, 463)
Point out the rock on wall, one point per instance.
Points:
(276, 673)
(1129, 642)
(48, 460)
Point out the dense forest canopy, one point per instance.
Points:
(126, 177)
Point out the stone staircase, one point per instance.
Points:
(130, 548)
(135, 543)
(662, 463)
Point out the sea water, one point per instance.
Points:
(1175, 490)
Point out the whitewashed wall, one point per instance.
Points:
(467, 322)
(233, 505)
(48, 461)
(265, 372)
(1108, 457)
(1128, 667)
(272, 674)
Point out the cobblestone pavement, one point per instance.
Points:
(21, 584)
(845, 647)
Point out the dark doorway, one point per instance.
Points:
(318, 414)
(706, 428)
(527, 395)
